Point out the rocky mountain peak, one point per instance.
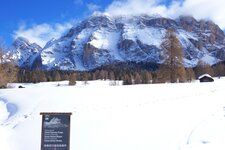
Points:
(24, 52)
(95, 21)
(99, 21)
(22, 43)
(190, 24)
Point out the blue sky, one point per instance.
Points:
(34, 18)
(15, 13)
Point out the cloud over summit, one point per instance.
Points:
(41, 33)
(200, 9)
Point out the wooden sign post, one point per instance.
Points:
(55, 133)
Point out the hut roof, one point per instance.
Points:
(204, 75)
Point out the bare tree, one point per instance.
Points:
(137, 78)
(146, 77)
(190, 74)
(72, 79)
(163, 74)
(173, 57)
(56, 76)
(219, 70)
(94, 76)
(8, 70)
(102, 75)
(127, 79)
(203, 68)
(112, 78)
(85, 78)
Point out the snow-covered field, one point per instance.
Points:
(188, 116)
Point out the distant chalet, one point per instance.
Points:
(205, 78)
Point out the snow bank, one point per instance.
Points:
(3, 111)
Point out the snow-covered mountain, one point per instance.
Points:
(24, 52)
(103, 39)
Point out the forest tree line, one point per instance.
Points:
(128, 77)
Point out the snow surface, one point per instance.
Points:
(209, 59)
(3, 111)
(150, 36)
(104, 39)
(188, 116)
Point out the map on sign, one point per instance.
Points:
(54, 123)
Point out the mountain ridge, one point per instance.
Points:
(104, 40)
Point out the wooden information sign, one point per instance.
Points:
(55, 133)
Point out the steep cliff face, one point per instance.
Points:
(207, 30)
(102, 39)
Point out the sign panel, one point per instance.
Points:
(55, 131)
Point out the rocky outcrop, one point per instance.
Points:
(207, 30)
(93, 56)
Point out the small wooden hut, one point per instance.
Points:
(205, 78)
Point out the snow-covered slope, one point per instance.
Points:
(102, 39)
(187, 116)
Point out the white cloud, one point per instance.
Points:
(93, 7)
(200, 9)
(205, 9)
(133, 7)
(41, 33)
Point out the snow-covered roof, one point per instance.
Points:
(204, 75)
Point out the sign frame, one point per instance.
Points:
(52, 134)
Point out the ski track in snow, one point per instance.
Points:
(187, 142)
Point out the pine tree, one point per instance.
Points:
(173, 58)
